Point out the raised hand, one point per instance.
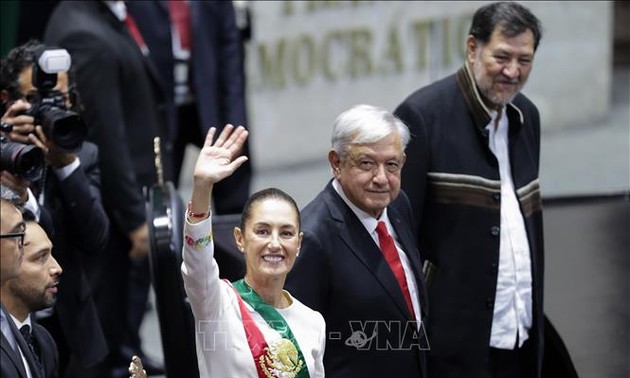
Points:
(217, 160)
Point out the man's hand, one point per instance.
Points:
(55, 156)
(25, 132)
(139, 242)
(22, 125)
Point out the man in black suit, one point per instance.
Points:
(34, 289)
(198, 51)
(368, 286)
(124, 108)
(68, 196)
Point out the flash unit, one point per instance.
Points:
(55, 61)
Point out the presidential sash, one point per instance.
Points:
(283, 358)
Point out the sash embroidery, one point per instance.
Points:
(281, 359)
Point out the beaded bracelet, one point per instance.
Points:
(190, 213)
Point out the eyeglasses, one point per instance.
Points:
(19, 235)
(369, 165)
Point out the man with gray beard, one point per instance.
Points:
(472, 178)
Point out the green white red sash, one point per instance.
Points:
(283, 358)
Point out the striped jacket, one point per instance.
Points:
(452, 179)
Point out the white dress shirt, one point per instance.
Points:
(512, 318)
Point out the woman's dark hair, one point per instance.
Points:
(269, 193)
(512, 18)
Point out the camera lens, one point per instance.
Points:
(23, 160)
(66, 129)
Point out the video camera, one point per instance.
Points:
(24, 160)
(64, 127)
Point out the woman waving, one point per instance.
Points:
(252, 327)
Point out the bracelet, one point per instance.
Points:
(196, 215)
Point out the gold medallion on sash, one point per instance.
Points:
(281, 360)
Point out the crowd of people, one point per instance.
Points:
(421, 257)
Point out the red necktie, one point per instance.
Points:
(388, 247)
(135, 33)
(180, 17)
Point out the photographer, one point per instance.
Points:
(68, 189)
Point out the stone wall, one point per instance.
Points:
(309, 61)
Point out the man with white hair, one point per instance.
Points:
(358, 265)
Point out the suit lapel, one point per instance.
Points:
(44, 348)
(360, 242)
(26, 351)
(14, 356)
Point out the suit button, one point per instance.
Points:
(489, 303)
(496, 196)
(494, 265)
(495, 230)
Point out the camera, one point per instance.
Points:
(24, 160)
(64, 127)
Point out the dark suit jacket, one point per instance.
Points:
(81, 229)
(216, 73)
(216, 62)
(123, 99)
(48, 350)
(341, 273)
(11, 365)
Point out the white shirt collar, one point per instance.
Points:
(19, 324)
